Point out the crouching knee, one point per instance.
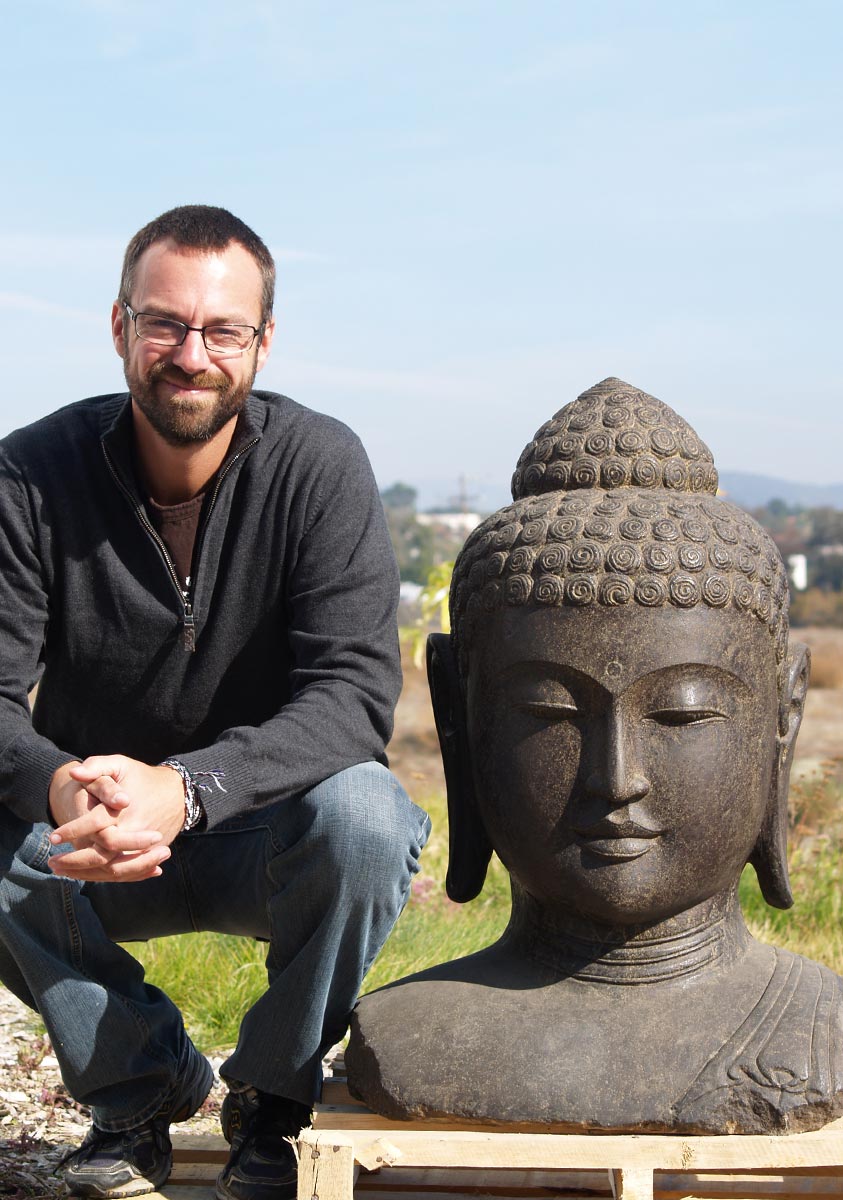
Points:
(364, 823)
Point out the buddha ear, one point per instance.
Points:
(770, 854)
(468, 844)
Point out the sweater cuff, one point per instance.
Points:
(224, 781)
(34, 762)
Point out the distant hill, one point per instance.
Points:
(741, 487)
(753, 491)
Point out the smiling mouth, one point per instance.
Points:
(189, 389)
(620, 841)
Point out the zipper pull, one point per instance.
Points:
(189, 629)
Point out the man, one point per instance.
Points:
(199, 577)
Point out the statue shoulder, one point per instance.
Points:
(782, 1069)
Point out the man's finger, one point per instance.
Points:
(94, 865)
(91, 768)
(115, 840)
(84, 827)
(107, 791)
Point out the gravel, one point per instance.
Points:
(39, 1122)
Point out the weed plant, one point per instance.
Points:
(814, 925)
(215, 978)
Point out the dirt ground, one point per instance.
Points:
(414, 750)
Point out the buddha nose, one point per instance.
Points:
(616, 775)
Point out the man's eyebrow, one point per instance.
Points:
(170, 314)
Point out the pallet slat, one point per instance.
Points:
(440, 1159)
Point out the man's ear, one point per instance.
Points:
(769, 856)
(118, 328)
(265, 344)
(468, 843)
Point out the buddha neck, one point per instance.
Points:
(711, 934)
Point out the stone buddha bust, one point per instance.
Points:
(617, 707)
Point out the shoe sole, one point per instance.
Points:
(284, 1191)
(139, 1186)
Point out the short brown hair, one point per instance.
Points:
(200, 227)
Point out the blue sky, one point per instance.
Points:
(478, 210)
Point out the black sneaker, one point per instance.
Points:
(135, 1161)
(261, 1128)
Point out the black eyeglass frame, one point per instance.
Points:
(256, 333)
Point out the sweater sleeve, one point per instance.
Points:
(27, 759)
(345, 677)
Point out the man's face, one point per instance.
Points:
(623, 757)
(184, 392)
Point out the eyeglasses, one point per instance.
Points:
(219, 339)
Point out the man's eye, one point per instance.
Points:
(226, 335)
(159, 326)
(685, 716)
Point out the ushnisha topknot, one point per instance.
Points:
(614, 436)
(615, 502)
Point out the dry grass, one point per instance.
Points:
(826, 655)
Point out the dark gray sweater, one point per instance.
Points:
(282, 668)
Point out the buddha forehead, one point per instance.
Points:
(615, 648)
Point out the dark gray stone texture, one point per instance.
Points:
(617, 707)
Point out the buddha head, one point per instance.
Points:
(617, 703)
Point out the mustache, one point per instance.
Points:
(174, 374)
(607, 828)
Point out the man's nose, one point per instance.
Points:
(616, 775)
(191, 355)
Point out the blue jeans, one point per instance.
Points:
(322, 878)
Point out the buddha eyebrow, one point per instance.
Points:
(565, 674)
(540, 669)
(706, 672)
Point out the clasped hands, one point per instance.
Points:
(119, 815)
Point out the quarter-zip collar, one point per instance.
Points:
(118, 440)
(118, 449)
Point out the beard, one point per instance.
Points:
(182, 421)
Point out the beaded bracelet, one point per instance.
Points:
(193, 810)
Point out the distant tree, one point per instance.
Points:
(827, 572)
(778, 508)
(399, 496)
(826, 527)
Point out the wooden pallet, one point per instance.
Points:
(355, 1154)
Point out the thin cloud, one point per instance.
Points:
(23, 303)
(59, 249)
(412, 384)
(576, 60)
(291, 254)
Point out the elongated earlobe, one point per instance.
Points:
(468, 843)
(770, 854)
